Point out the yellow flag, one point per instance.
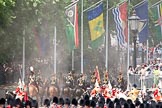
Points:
(96, 24)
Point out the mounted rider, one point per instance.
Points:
(53, 80)
(81, 80)
(32, 78)
(120, 80)
(70, 79)
(39, 79)
(105, 77)
(93, 78)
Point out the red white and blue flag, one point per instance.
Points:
(120, 18)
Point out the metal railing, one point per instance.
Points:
(136, 79)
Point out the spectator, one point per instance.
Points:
(74, 103)
(28, 104)
(46, 103)
(67, 103)
(111, 104)
(60, 103)
(92, 104)
(87, 104)
(55, 102)
(34, 104)
(130, 70)
(81, 103)
(2, 103)
(18, 103)
(156, 73)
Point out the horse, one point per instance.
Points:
(52, 91)
(33, 91)
(66, 92)
(37, 92)
(80, 87)
(66, 86)
(78, 92)
(10, 97)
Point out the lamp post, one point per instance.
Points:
(134, 24)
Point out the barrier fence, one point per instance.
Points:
(136, 79)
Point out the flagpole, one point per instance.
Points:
(54, 42)
(115, 6)
(107, 12)
(81, 36)
(147, 42)
(23, 77)
(73, 59)
(147, 51)
(82, 12)
(139, 3)
(128, 56)
(73, 3)
(155, 4)
(92, 6)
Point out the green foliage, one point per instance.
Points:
(19, 15)
(6, 12)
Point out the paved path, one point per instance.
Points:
(9, 87)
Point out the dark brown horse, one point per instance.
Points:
(78, 93)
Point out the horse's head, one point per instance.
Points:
(9, 95)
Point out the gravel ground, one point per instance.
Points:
(9, 87)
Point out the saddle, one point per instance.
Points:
(35, 85)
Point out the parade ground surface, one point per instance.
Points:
(9, 87)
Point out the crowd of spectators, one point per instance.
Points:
(85, 102)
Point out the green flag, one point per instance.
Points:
(157, 16)
(72, 27)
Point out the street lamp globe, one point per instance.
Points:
(134, 22)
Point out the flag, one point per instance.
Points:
(72, 26)
(142, 13)
(120, 18)
(157, 17)
(96, 25)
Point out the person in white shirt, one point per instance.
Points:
(130, 70)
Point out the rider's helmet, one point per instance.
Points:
(70, 73)
(31, 68)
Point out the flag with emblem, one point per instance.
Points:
(96, 25)
(72, 26)
(142, 13)
(157, 16)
